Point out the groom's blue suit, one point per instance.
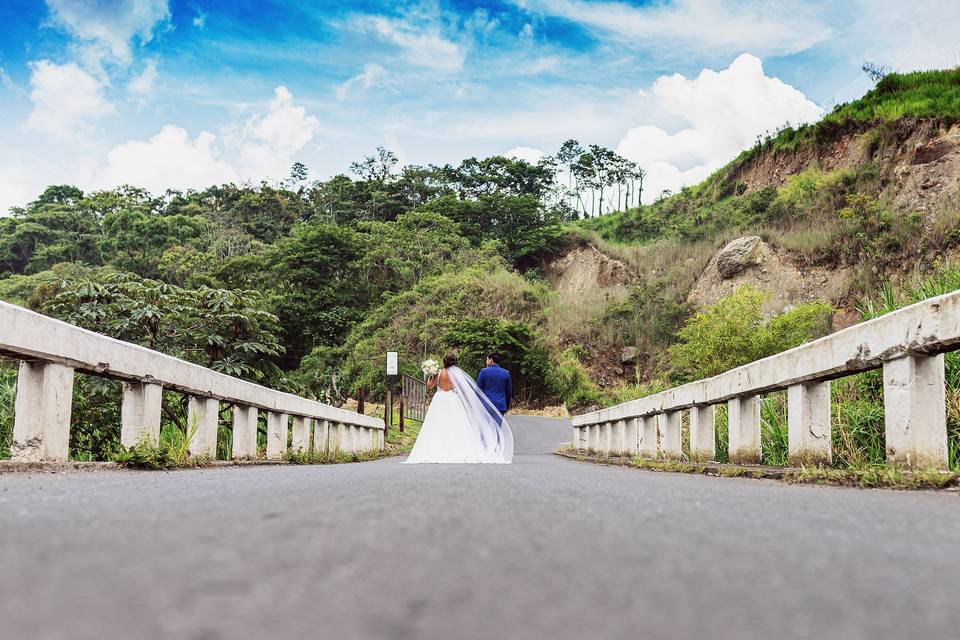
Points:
(497, 385)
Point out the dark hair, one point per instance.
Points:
(494, 357)
(449, 360)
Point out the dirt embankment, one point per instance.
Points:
(770, 270)
(579, 273)
(918, 160)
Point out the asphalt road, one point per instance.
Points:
(546, 548)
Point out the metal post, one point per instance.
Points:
(388, 409)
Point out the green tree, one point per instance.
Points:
(398, 254)
(227, 331)
(320, 288)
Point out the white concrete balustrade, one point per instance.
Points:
(907, 344)
(50, 351)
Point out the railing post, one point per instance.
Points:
(703, 436)
(337, 438)
(743, 429)
(593, 437)
(606, 437)
(244, 432)
(670, 434)
(204, 415)
(321, 435)
(808, 424)
(277, 424)
(616, 437)
(301, 434)
(914, 404)
(140, 413)
(648, 437)
(355, 434)
(575, 443)
(631, 437)
(41, 428)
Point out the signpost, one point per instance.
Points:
(393, 369)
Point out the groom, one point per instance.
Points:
(496, 384)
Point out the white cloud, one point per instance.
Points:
(528, 154)
(421, 42)
(702, 26)
(168, 159)
(268, 143)
(141, 85)
(200, 20)
(109, 27)
(371, 75)
(17, 187)
(65, 98)
(718, 114)
(263, 146)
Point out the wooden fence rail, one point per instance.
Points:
(50, 351)
(907, 344)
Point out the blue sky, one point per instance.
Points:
(183, 93)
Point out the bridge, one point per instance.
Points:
(546, 547)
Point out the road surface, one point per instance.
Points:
(546, 548)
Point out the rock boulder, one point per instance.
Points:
(738, 255)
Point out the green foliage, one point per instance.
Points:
(417, 322)
(95, 418)
(571, 381)
(922, 94)
(420, 243)
(773, 429)
(8, 394)
(228, 331)
(521, 223)
(171, 452)
(733, 332)
(648, 319)
(321, 288)
(871, 233)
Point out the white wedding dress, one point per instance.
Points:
(462, 426)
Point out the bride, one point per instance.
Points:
(461, 425)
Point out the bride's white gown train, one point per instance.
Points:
(458, 431)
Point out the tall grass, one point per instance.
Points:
(926, 94)
(773, 429)
(8, 394)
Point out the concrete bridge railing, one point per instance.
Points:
(907, 344)
(50, 351)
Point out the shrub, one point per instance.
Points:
(570, 380)
(733, 332)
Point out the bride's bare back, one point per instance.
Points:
(442, 380)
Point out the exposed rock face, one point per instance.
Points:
(628, 355)
(772, 271)
(919, 161)
(585, 270)
(738, 255)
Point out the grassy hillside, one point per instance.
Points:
(846, 220)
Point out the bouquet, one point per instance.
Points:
(430, 367)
